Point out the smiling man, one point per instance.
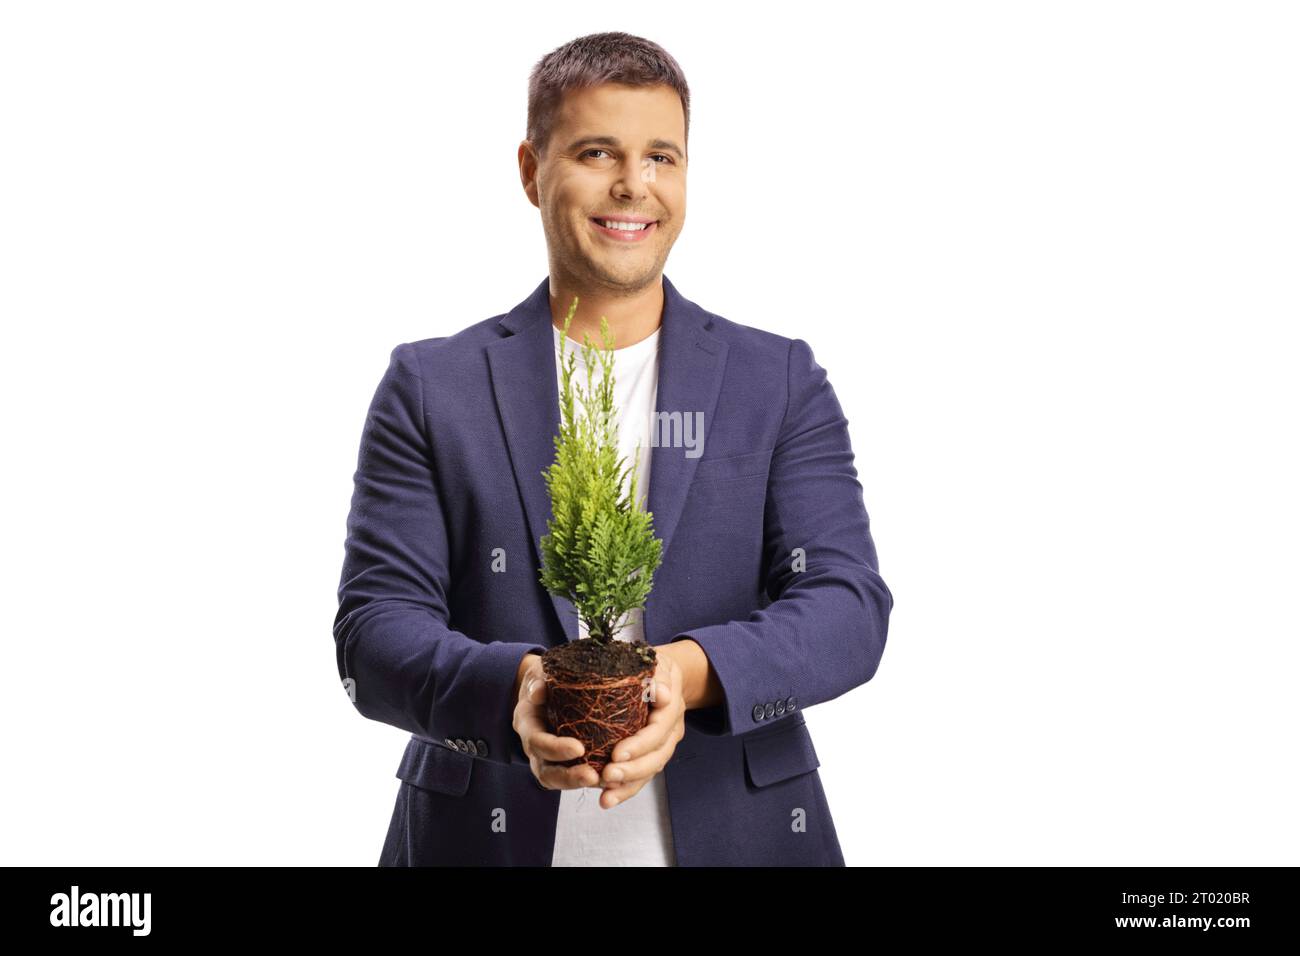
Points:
(768, 600)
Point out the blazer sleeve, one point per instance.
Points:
(407, 666)
(824, 631)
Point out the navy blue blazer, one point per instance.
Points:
(768, 563)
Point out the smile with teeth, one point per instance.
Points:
(624, 231)
(628, 226)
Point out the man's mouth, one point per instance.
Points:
(624, 230)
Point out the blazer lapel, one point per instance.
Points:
(522, 366)
(691, 361)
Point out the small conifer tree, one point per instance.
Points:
(600, 551)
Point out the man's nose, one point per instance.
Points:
(630, 185)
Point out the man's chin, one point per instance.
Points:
(626, 280)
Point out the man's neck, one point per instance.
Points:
(632, 318)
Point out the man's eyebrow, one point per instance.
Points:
(613, 141)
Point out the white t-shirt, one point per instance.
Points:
(637, 832)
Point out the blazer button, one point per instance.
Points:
(780, 707)
(758, 711)
(462, 746)
(471, 748)
(789, 703)
(770, 710)
(482, 748)
(449, 742)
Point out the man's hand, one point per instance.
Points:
(545, 749)
(638, 758)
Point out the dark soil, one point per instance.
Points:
(588, 657)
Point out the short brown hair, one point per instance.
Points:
(590, 61)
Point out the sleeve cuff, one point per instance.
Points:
(715, 720)
(499, 663)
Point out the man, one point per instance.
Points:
(768, 599)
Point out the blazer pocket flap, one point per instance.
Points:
(773, 757)
(431, 766)
(735, 466)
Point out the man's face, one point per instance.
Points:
(615, 151)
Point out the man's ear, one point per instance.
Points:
(528, 172)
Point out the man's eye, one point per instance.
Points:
(656, 155)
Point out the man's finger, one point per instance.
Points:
(662, 695)
(534, 689)
(530, 724)
(548, 746)
(646, 740)
(613, 796)
(540, 742)
(554, 776)
(663, 717)
(640, 768)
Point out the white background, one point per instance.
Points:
(1047, 253)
